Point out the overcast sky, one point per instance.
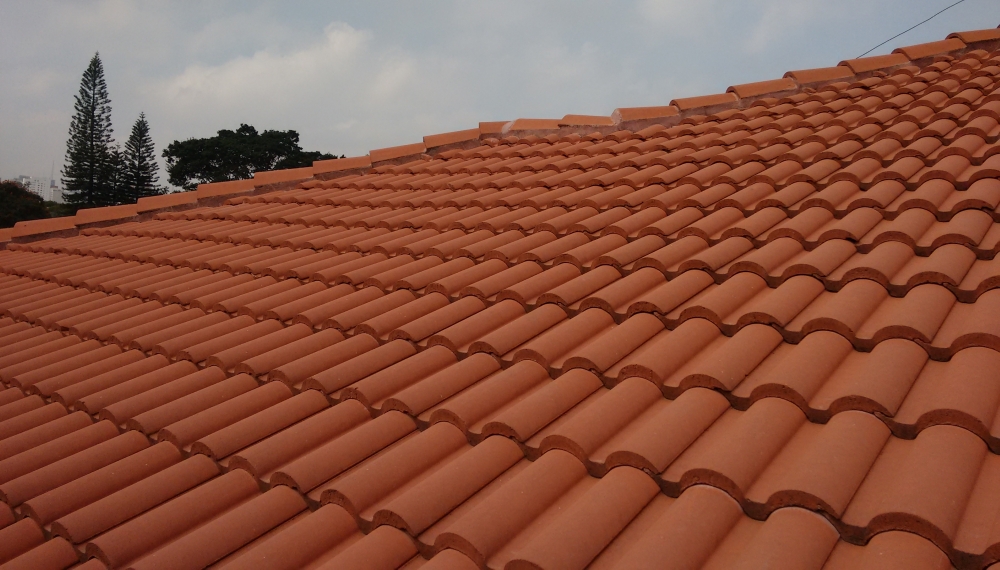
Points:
(350, 77)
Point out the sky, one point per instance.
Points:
(355, 76)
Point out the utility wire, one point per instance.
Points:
(910, 28)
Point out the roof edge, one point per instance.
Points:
(586, 121)
(175, 200)
(335, 164)
(451, 139)
(285, 175)
(977, 36)
(33, 230)
(396, 154)
(929, 49)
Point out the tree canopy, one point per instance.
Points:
(235, 155)
(91, 169)
(98, 172)
(17, 204)
(138, 176)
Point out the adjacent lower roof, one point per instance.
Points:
(747, 329)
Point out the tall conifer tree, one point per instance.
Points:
(89, 173)
(138, 165)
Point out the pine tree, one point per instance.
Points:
(89, 171)
(115, 176)
(138, 165)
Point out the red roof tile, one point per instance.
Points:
(689, 103)
(931, 48)
(338, 164)
(624, 114)
(382, 154)
(586, 120)
(35, 227)
(110, 213)
(533, 124)
(224, 188)
(820, 74)
(872, 63)
(431, 141)
(274, 176)
(763, 87)
(151, 203)
(762, 335)
(976, 35)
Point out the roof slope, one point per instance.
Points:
(746, 329)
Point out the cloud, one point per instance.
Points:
(350, 90)
(36, 83)
(327, 84)
(780, 16)
(352, 77)
(682, 17)
(264, 77)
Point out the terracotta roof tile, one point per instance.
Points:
(392, 153)
(172, 200)
(932, 48)
(820, 74)
(491, 127)
(274, 176)
(976, 35)
(431, 141)
(532, 124)
(641, 113)
(586, 120)
(224, 188)
(109, 213)
(872, 63)
(471, 358)
(689, 103)
(762, 88)
(35, 227)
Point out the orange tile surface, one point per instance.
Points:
(759, 328)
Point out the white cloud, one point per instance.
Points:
(388, 73)
(780, 16)
(350, 90)
(264, 77)
(325, 85)
(685, 17)
(36, 83)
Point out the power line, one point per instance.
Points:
(910, 28)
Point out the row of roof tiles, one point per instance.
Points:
(859, 308)
(571, 434)
(143, 265)
(653, 532)
(752, 364)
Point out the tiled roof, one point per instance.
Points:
(753, 329)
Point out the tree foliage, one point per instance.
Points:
(17, 204)
(138, 169)
(90, 170)
(235, 155)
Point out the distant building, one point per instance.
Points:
(36, 185)
(44, 187)
(55, 193)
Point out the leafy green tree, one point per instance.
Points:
(235, 155)
(17, 204)
(88, 176)
(138, 169)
